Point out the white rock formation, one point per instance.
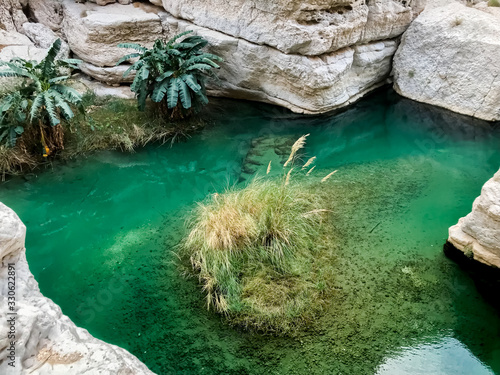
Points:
(110, 75)
(43, 37)
(93, 32)
(47, 12)
(46, 341)
(12, 16)
(305, 84)
(14, 44)
(449, 57)
(478, 233)
(306, 27)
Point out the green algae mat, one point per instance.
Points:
(101, 231)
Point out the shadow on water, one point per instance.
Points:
(101, 231)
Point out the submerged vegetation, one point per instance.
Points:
(262, 253)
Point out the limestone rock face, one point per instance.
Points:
(12, 16)
(306, 27)
(47, 342)
(93, 32)
(47, 12)
(478, 233)
(449, 57)
(303, 84)
(43, 37)
(18, 45)
(110, 75)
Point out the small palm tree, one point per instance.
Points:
(41, 101)
(171, 74)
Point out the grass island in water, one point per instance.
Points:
(261, 252)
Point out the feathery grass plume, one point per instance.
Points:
(299, 143)
(328, 176)
(310, 170)
(246, 245)
(288, 176)
(309, 162)
(269, 167)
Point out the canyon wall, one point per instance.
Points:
(310, 56)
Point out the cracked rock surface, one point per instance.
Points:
(448, 57)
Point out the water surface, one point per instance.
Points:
(100, 231)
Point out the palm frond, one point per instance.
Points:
(51, 109)
(173, 93)
(184, 93)
(134, 46)
(127, 57)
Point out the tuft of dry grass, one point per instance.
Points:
(15, 160)
(117, 124)
(252, 251)
(108, 124)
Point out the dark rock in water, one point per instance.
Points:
(486, 278)
(264, 149)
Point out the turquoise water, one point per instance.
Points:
(100, 231)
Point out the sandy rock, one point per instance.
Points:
(307, 27)
(12, 16)
(46, 341)
(449, 57)
(93, 31)
(47, 12)
(478, 233)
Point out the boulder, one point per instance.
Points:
(12, 16)
(306, 27)
(110, 75)
(448, 57)
(47, 12)
(93, 32)
(478, 233)
(43, 37)
(46, 340)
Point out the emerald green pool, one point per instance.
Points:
(101, 231)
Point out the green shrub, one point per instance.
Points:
(172, 74)
(256, 250)
(41, 101)
(494, 3)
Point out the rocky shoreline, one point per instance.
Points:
(37, 338)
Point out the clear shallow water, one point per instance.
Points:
(100, 230)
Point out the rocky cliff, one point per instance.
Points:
(311, 56)
(478, 233)
(448, 57)
(35, 336)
